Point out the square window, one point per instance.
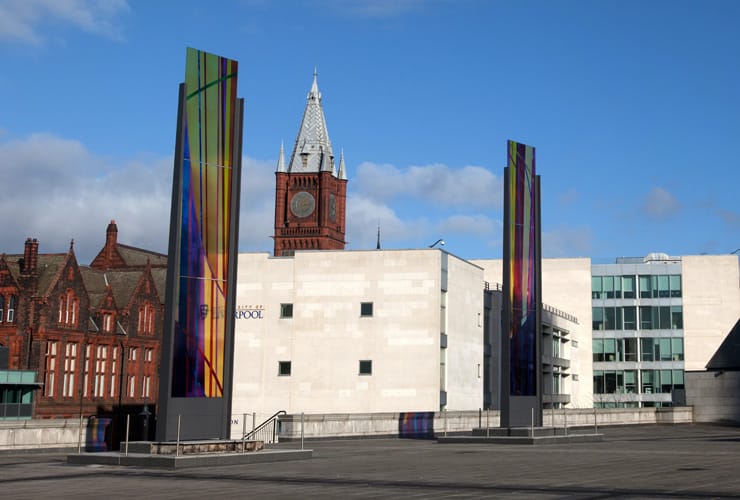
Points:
(286, 310)
(366, 367)
(366, 309)
(284, 368)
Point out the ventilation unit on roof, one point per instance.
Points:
(656, 256)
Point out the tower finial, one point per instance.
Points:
(281, 159)
(378, 245)
(314, 86)
(342, 174)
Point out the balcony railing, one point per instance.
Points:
(554, 310)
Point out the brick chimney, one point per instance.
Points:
(111, 239)
(31, 256)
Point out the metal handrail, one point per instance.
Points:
(251, 434)
(557, 312)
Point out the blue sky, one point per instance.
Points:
(633, 107)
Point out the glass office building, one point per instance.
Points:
(638, 332)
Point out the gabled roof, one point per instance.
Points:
(160, 281)
(138, 257)
(49, 266)
(94, 282)
(727, 356)
(123, 284)
(115, 255)
(11, 260)
(4, 264)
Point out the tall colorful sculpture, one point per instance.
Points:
(521, 389)
(197, 351)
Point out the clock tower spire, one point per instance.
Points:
(310, 193)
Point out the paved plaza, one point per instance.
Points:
(682, 461)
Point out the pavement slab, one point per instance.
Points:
(636, 462)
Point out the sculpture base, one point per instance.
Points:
(172, 455)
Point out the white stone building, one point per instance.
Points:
(358, 331)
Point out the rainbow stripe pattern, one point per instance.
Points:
(208, 150)
(521, 228)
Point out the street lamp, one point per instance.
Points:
(121, 336)
(440, 241)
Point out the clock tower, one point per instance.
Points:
(310, 193)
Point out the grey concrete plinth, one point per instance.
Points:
(189, 454)
(525, 435)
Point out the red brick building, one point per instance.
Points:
(92, 333)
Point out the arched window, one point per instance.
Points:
(146, 319)
(11, 308)
(69, 308)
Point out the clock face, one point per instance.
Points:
(332, 207)
(302, 204)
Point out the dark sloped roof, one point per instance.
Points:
(94, 284)
(727, 356)
(49, 265)
(4, 263)
(138, 256)
(160, 281)
(123, 284)
(12, 261)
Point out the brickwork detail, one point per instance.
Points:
(79, 327)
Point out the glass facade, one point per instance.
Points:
(629, 317)
(623, 287)
(17, 394)
(637, 323)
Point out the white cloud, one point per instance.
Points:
(21, 20)
(60, 191)
(257, 206)
(476, 224)
(412, 206)
(475, 227)
(435, 184)
(660, 203)
(567, 242)
(365, 214)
